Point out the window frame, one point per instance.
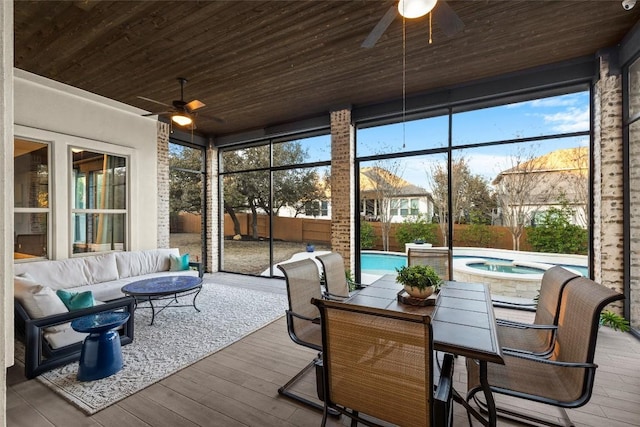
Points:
(49, 209)
(88, 211)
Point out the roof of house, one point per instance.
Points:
(567, 160)
(372, 178)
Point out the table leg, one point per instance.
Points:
(194, 299)
(100, 357)
(488, 395)
(488, 407)
(153, 312)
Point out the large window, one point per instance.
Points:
(32, 212)
(502, 183)
(276, 200)
(99, 202)
(186, 195)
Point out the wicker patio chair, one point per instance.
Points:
(336, 283)
(303, 321)
(565, 379)
(378, 366)
(538, 338)
(438, 258)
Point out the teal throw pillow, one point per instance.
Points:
(76, 300)
(179, 263)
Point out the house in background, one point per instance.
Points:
(379, 189)
(384, 195)
(554, 180)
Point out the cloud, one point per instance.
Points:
(556, 101)
(571, 120)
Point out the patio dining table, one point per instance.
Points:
(463, 323)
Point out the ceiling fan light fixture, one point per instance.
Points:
(181, 119)
(415, 8)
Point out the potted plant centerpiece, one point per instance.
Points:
(419, 281)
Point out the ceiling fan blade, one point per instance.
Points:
(160, 113)
(154, 101)
(447, 19)
(214, 118)
(194, 105)
(380, 27)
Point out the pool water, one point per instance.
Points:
(386, 263)
(505, 268)
(381, 263)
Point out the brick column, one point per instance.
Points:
(608, 183)
(212, 202)
(343, 186)
(163, 184)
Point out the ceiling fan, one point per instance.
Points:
(445, 17)
(181, 112)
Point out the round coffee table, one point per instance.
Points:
(164, 288)
(101, 354)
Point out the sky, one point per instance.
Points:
(539, 117)
(548, 116)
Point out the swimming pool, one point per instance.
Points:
(385, 263)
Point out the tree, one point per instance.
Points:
(247, 190)
(575, 181)
(367, 235)
(521, 190)
(185, 187)
(470, 195)
(440, 194)
(383, 183)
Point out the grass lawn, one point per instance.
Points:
(243, 256)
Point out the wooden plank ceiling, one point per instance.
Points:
(262, 63)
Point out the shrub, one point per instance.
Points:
(367, 235)
(416, 228)
(556, 234)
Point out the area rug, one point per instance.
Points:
(179, 337)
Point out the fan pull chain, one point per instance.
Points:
(404, 78)
(430, 28)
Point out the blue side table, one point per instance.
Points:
(101, 354)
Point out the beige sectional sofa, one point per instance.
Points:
(43, 323)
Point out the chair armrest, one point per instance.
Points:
(58, 319)
(198, 266)
(528, 306)
(35, 344)
(299, 316)
(558, 363)
(334, 297)
(445, 384)
(520, 325)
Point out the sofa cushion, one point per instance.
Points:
(139, 263)
(38, 301)
(76, 300)
(60, 274)
(179, 263)
(63, 338)
(102, 268)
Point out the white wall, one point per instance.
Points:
(6, 202)
(66, 117)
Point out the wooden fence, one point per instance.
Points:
(319, 231)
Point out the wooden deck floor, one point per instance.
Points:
(238, 386)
